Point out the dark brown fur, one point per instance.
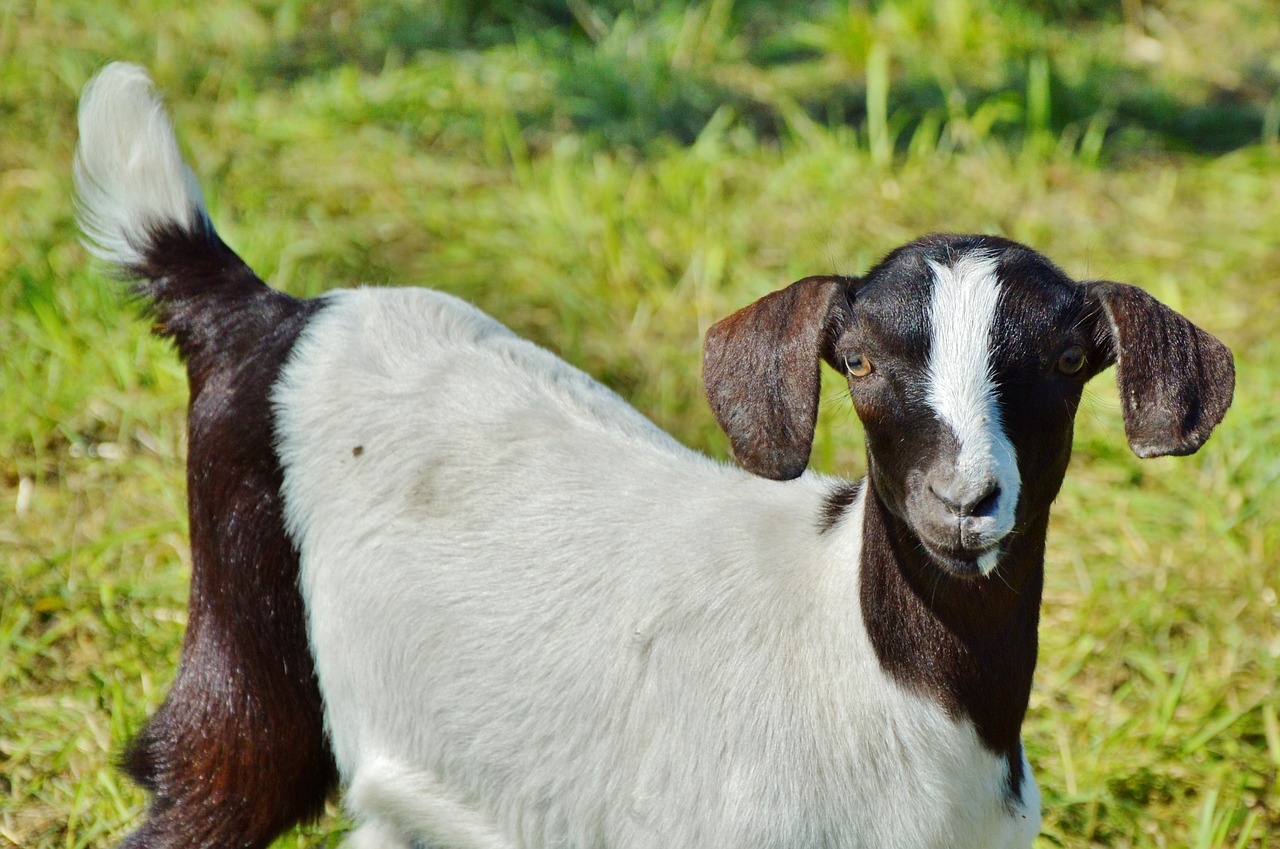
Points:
(968, 644)
(237, 753)
(766, 357)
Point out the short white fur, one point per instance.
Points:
(539, 620)
(130, 176)
(966, 295)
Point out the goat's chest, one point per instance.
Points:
(887, 772)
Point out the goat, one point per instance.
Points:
(442, 568)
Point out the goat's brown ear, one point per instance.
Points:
(1176, 380)
(761, 368)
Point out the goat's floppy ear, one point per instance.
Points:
(1176, 380)
(761, 368)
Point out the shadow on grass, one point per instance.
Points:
(635, 90)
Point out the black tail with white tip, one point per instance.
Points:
(142, 210)
(237, 753)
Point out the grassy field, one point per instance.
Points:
(609, 178)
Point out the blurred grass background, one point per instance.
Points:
(609, 178)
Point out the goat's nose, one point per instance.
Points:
(967, 498)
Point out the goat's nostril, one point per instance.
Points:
(968, 500)
(945, 496)
(986, 504)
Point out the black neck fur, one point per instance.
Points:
(969, 643)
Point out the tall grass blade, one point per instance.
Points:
(878, 138)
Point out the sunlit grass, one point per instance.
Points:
(511, 161)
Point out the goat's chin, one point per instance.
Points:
(965, 563)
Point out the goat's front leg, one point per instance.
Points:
(400, 806)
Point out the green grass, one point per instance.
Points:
(609, 179)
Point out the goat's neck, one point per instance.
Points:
(969, 643)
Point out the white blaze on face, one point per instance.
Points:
(965, 297)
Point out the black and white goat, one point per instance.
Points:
(442, 568)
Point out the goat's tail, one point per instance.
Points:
(141, 209)
(237, 752)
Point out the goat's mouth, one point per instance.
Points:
(966, 545)
(964, 561)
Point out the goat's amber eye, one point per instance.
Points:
(1072, 360)
(858, 365)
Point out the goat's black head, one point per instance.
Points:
(966, 357)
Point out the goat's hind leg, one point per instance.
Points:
(226, 769)
(237, 753)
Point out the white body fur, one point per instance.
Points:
(539, 621)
